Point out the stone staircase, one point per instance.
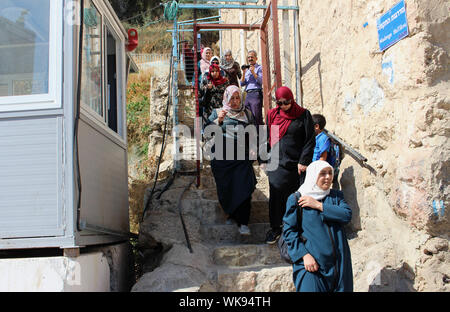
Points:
(222, 259)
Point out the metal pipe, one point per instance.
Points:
(213, 22)
(199, 19)
(175, 93)
(197, 104)
(276, 46)
(240, 1)
(298, 69)
(242, 20)
(266, 78)
(229, 26)
(266, 18)
(189, 30)
(220, 39)
(231, 6)
(287, 64)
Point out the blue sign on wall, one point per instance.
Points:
(392, 26)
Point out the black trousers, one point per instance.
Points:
(242, 213)
(282, 183)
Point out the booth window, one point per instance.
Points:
(24, 47)
(111, 80)
(92, 73)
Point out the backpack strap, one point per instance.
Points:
(333, 194)
(299, 217)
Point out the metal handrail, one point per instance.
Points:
(347, 148)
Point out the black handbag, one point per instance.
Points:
(282, 245)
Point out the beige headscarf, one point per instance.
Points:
(204, 63)
(238, 114)
(310, 187)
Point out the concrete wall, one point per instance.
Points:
(101, 269)
(88, 272)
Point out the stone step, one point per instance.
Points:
(209, 190)
(245, 255)
(261, 177)
(276, 278)
(211, 212)
(223, 233)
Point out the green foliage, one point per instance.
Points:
(148, 18)
(139, 12)
(138, 110)
(143, 150)
(128, 9)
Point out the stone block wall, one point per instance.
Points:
(393, 107)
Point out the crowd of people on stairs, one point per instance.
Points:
(304, 205)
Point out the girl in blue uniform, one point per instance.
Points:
(319, 248)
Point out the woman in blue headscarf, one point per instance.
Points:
(318, 246)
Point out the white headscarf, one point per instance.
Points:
(214, 58)
(310, 187)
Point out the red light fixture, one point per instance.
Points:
(132, 39)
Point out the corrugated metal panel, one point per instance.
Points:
(104, 179)
(30, 175)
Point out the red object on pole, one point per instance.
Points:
(132, 39)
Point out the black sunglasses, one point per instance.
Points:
(281, 103)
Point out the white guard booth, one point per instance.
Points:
(63, 156)
(63, 153)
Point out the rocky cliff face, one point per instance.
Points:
(393, 107)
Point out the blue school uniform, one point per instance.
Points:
(323, 144)
(335, 272)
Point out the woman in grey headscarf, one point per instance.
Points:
(235, 178)
(231, 68)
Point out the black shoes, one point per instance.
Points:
(272, 236)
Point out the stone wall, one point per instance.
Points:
(393, 107)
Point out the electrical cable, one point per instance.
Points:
(77, 120)
(171, 10)
(186, 235)
(77, 115)
(163, 140)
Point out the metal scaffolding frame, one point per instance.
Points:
(268, 85)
